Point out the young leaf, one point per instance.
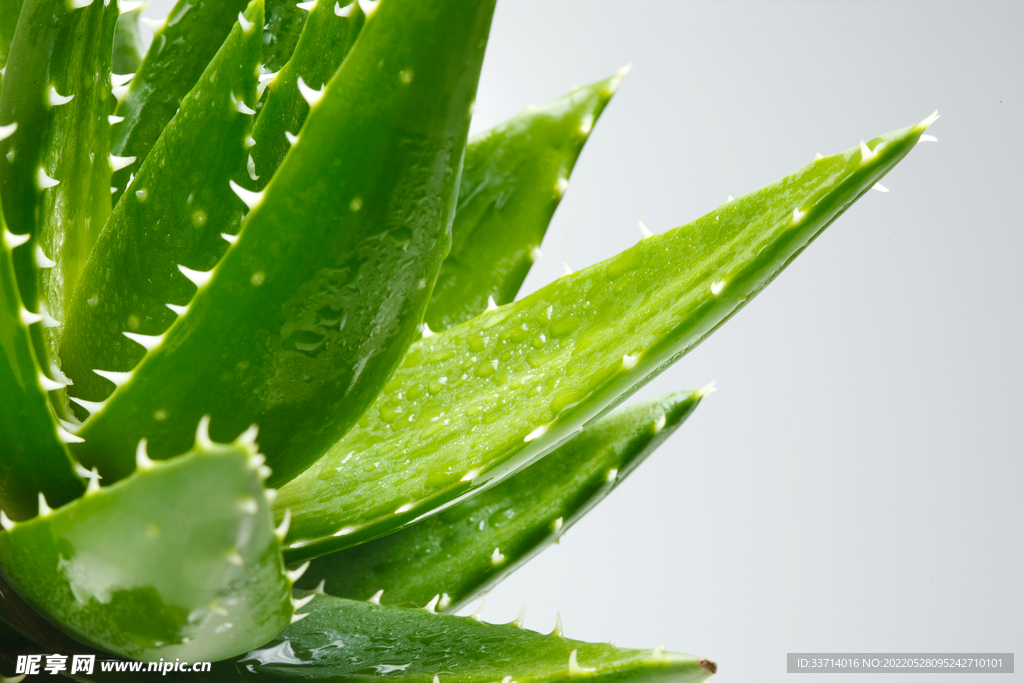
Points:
(54, 166)
(33, 455)
(326, 40)
(306, 316)
(177, 57)
(467, 549)
(345, 639)
(444, 426)
(179, 560)
(179, 204)
(512, 181)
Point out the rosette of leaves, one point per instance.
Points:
(267, 396)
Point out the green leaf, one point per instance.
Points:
(462, 552)
(54, 167)
(473, 404)
(33, 455)
(9, 12)
(179, 54)
(179, 560)
(344, 640)
(512, 181)
(306, 316)
(285, 21)
(326, 40)
(128, 48)
(175, 212)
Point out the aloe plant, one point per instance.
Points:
(265, 386)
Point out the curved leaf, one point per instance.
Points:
(513, 178)
(178, 560)
(464, 551)
(445, 426)
(128, 48)
(306, 316)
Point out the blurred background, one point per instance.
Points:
(854, 485)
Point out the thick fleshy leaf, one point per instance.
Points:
(326, 39)
(54, 167)
(344, 640)
(467, 549)
(179, 560)
(33, 455)
(9, 12)
(178, 207)
(513, 178)
(128, 47)
(473, 404)
(179, 54)
(308, 313)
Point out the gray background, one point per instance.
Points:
(855, 483)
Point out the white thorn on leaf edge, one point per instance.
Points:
(55, 99)
(142, 461)
(117, 163)
(291, 137)
(230, 239)
(244, 23)
(7, 524)
(707, 389)
(154, 25)
(644, 232)
(659, 424)
(375, 598)
(432, 605)
(321, 588)
(241, 107)
(426, 331)
(717, 287)
(880, 187)
(343, 11)
(311, 95)
(557, 631)
(491, 305)
(250, 166)
(30, 318)
(518, 621)
(535, 254)
(198, 277)
(575, 669)
(866, 154)
(42, 260)
(249, 506)
(479, 613)
(658, 653)
(178, 310)
(120, 79)
(629, 362)
(249, 142)
(368, 6)
(566, 270)
(148, 342)
(67, 437)
(49, 384)
(307, 6)
(496, 557)
(92, 406)
(118, 378)
(537, 433)
(250, 198)
(94, 482)
(125, 7)
(295, 575)
(558, 524)
(248, 437)
(270, 495)
(286, 521)
(923, 138)
(798, 215)
(612, 475)
(8, 130)
(561, 185)
(44, 509)
(13, 241)
(930, 120)
(299, 617)
(203, 433)
(44, 181)
(299, 603)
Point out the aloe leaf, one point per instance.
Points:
(513, 178)
(177, 208)
(33, 456)
(179, 54)
(308, 313)
(128, 47)
(285, 22)
(471, 405)
(179, 560)
(9, 11)
(462, 552)
(348, 640)
(54, 166)
(326, 39)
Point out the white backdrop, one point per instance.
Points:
(854, 485)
